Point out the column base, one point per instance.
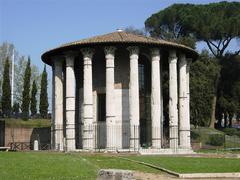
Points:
(87, 139)
(173, 142)
(70, 145)
(184, 139)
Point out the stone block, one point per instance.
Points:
(115, 174)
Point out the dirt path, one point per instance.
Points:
(150, 176)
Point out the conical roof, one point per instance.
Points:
(117, 38)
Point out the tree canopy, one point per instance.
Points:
(33, 102)
(43, 106)
(26, 92)
(217, 24)
(6, 90)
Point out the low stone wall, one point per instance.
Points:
(27, 135)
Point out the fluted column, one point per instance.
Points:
(87, 99)
(58, 103)
(184, 126)
(70, 103)
(173, 100)
(134, 98)
(188, 140)
(155, 99)
(110, 98)
(53, 108)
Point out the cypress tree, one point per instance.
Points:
(15, 109)
(26, 91)
(33, 99)
(43, 106)
(6, 91)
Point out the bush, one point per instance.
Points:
(216, 140)
(195, 135)
(231, 131)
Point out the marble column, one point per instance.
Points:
(156, 99)
(58, 103)
(188, 137)
(70, 103)
(134, 98)
(173, 100)
(53, 108)
(110, 99)
(184, 126)
(87, 128)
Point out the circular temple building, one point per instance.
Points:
(107, 94)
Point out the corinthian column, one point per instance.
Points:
(188, 138)
(184, 126)
(110, 108)
(173, 100)
(70, 103)
(155, 99)
(87, 99)
(53, 108)
(58, 103)
(134, 98)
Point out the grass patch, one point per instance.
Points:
(31, 123)
(52, 165)
(49, 165)
(192, 164)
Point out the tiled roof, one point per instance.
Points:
(118, 37)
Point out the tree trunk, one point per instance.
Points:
(213, 119)
(230, 120)
(225, 119)
(214, 100)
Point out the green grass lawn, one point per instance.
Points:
(48, 165)
(192, 165)
(51, 165)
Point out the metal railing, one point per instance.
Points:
(102, 136)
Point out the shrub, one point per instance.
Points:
(195, 135)
(216, 140)
(230, 131)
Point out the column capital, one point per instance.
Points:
(109, 50)
(70, 54)
(87, 52)
(133, 50)
(183, 61)
(57, 60)
(172, 56)
(155, 54)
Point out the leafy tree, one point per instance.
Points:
(26, 91)
(15, 109)
(166, 25)
(33, 99)
(6, 50)
(202, 75)
(6, 91)
(229, 90)
(132, 29)
(217, 24)
(43, 107)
